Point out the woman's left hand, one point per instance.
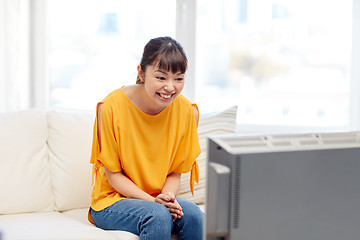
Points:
(169, 201)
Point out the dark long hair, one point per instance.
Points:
(165, 53)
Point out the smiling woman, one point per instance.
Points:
(145, 137)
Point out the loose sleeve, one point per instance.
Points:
(191, 147)
(109, 146)
(105, 153)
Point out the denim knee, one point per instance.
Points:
(159, 214)
(189, 226)
(195, 218)
(157, 222)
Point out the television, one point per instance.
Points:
(283, 187)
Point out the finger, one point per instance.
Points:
(159, 200)
(176, 212)
(171, 205)
(178, 205)
(170, 195)
(175, 217)
(176, 202)
(164, 197)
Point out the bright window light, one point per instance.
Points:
(283, 62)
(95, 46)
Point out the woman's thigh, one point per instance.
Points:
(136, 216)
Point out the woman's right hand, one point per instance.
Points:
(169, 201)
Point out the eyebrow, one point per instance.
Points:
(163, 72)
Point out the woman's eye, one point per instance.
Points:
(160, 78)
(179, 79)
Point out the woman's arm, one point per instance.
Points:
(172, 183)
(125, 186)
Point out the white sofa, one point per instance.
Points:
(45, 174)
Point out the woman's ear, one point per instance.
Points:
(141, 76)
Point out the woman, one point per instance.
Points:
(145, 136)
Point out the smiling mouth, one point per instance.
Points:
(165, 96)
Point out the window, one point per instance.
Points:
(283, 62)
(14, 55)
(96, 49)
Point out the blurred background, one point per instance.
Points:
(289, 65)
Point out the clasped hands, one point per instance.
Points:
(169, 201)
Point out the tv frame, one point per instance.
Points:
(321, 168)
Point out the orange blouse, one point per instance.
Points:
(146, 148)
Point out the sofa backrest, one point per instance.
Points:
(221, 122)
(25, 180)
(69, 142)
(45, 159)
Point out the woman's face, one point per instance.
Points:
(161, 87)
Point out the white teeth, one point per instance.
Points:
(165, 95)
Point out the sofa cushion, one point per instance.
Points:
(70, 137)
(48, 226)
(81, 216)
(209, 124)
(24, 167)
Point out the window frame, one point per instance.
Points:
(39, 81)
(355, 71)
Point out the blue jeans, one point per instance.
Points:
(151, 220)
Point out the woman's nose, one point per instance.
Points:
(169, 86)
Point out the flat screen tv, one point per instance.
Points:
(283, 187)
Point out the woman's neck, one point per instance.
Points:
(137, 95)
